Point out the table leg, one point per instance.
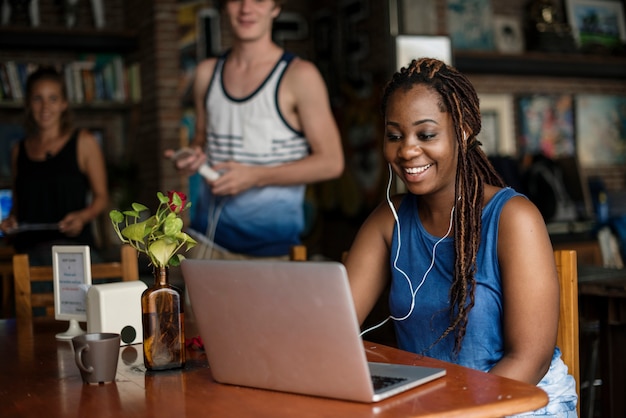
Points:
(615, 336)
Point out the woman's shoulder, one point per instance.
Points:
(383, 213)
(517, 210)
(87, 142)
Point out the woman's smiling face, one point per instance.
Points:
(419, 140)
(47, 103)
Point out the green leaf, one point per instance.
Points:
(175, 260)
(172, 225)
(131, 213)
(136, 232)
(139, 207)
(162, 250)
(116, 216)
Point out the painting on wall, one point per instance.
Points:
(470, 24)
(597, 22)
(416, 17)
(497, 134)
(546, 125)
(409, 47)
(601, 129)
(508, 34)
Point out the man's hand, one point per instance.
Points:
(235, 178)
(187, 160)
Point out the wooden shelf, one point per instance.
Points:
(77, 107)
(68, 39)
(542, 64)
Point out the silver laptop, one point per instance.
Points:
(289, 326)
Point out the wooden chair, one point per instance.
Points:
(567, 338)
(6, 276)
(298, 253)
(126, 269)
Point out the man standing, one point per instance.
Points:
(263, 122)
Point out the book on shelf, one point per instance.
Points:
(89, 85)
(80, 69)
(69, 82)
(121, 80)
(4, 82)
(134, 82)
(17, 91)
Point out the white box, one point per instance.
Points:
(116, 307)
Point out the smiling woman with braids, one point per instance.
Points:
(473, 279)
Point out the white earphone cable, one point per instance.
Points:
(395, 261)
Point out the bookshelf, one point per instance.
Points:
(122, 41)
(542, 64)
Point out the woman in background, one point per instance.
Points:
(469, 260)
(59, 174)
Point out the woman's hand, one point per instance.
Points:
(72, 224)
(8, 224)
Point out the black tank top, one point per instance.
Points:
(48, 190)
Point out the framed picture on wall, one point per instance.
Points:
(470, 24)
(597, 22)
(546, 125)
(498, 124)
(416, 17)
(508, 34)
(601, 130)
(409, 47)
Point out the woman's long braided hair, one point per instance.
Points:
(459, 99)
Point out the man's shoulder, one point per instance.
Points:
(301, 68)
(207, 64)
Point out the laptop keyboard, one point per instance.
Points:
(381, 382)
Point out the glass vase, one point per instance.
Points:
(163, 324)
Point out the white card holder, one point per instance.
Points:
(116, 307)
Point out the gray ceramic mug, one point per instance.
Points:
(96, 356)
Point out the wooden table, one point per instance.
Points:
(603, 297)
(38, 377)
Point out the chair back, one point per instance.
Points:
(567, 338)
(126, 269)
(298, 253)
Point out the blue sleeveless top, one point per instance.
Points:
(483, 344)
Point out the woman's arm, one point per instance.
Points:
(530, 290)
(91, 163)
(367, 262)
